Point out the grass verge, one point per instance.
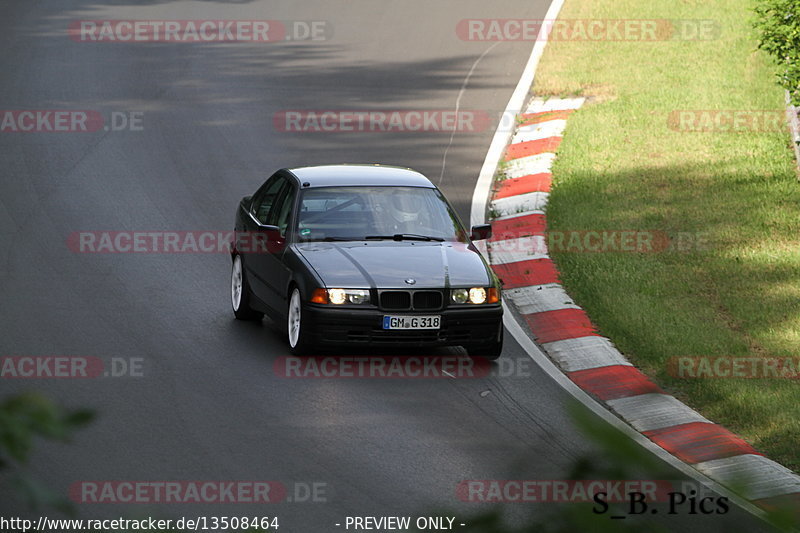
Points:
(623, 166)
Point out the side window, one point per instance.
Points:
(282, 213)
(262, 203)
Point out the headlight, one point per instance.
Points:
(475, 295)
(337, 296)
(341, 296)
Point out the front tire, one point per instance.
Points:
(298, 336)
(240, 293)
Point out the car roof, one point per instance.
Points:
(348, 175)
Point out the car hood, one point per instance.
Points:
(387, 264)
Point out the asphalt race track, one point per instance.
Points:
(209, 404)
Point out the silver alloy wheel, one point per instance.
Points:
(294, 318)
(236, 283)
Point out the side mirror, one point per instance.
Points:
(481, 232)
(269, 238)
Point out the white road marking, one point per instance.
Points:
(650, 411)
(540, 298)
(584, 353)
(542, 130)
(541, 105)
(458, 107)
(503, 133)
(534, 164)
(757, 475)
(515, 250)
(531, 202)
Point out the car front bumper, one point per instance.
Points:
(349, 326)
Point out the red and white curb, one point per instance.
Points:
(518, 254)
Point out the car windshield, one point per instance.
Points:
(376, 213)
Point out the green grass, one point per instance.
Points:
(621, 167)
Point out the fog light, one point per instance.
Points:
(358, 297)
(459, 296)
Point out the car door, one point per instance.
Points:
(268, 269)
(253, 250)
(277, 274)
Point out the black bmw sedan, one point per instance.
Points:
(363, 255)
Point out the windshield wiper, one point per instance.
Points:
(331, 239)
(404, 237)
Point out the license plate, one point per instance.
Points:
(411, 322)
